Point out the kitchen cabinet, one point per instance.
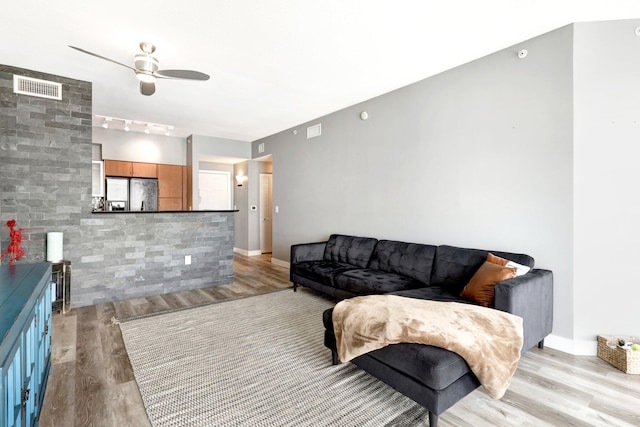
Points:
(144, 170)
(25, 349)
(169, 204)
(170, 185)
(118, 168)
(130, 169)
(172, 180)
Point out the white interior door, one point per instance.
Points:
(214, 190)
(265, 213)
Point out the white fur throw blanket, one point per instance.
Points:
(489, 340)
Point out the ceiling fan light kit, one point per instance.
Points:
(146, 69)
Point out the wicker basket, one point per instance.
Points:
(626, 360)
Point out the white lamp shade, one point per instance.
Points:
(54, 247)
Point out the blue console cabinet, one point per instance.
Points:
(25, 349)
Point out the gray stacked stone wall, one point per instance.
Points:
(129, 255)
(45, 184)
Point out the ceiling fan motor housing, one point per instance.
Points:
(146, 65)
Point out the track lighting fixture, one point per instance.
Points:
(135, 125)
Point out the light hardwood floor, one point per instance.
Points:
(92, 383)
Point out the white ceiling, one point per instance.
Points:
(274, 63)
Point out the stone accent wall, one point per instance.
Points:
(45, 161)
(129, 255)
(45, 184)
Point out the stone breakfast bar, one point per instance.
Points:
(127, 254)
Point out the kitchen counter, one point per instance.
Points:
(160, 212)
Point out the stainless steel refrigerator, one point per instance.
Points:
(132, 194)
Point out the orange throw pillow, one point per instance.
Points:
(480, 287)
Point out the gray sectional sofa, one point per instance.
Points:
(348, 266)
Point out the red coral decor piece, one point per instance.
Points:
(16, 239)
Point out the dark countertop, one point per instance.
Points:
(157, 212)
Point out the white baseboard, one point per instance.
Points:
(246, 252)
(280, 262)
(575, 347)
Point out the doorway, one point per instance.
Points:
(214, 190)
(266, 223)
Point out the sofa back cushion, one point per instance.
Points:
(350, 249)
(408, 259)
(453, 267)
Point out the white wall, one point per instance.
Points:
(606, 179)
(140, 147)
(478, 156)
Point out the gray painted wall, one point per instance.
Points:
(606, 178)
(140, 147)
(536, 155)
(247, 221)
(241, 203)
(478, 156)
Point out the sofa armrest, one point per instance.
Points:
(531, 297)
(305, 252)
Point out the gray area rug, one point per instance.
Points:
(257, 361)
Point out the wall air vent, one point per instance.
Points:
(314, 131)
(36, 87)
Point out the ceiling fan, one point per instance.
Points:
(146, 69)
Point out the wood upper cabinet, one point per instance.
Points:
(170, 192)
(144, 170)
(117, 168)
(130, 169)
(170, 181)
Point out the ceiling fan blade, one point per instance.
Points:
(147, 89)
(101, 57)
(182, 74)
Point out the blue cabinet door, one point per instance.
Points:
(30, 344)
(12, 384)
(43, 349)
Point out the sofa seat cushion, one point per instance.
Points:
(434, 367)
(434, 293)
(321, 271)
(365, 281)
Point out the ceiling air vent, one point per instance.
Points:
(36, 87)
